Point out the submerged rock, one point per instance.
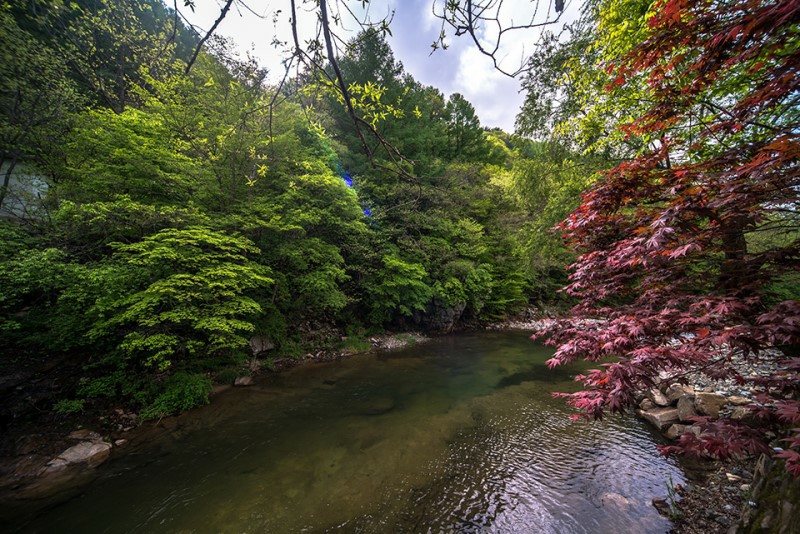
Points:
(377, 406)
(615, 500)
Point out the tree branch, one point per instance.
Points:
(208, 35)
(326, 33)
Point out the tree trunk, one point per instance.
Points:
(735, 272)
(7, 177)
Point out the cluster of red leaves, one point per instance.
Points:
(665, 260)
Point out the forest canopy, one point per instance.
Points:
(160, 221)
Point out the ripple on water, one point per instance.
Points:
(538, 471)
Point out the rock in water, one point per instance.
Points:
(92, 453)
(242, 381)
(614, 500)
(378, 406)
(662, 506)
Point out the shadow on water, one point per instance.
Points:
(540, 373)
(458, 434)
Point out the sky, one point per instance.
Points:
(459, 69)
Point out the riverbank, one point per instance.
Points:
(715, 498)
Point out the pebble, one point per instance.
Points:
(767, 364)
(744, 473)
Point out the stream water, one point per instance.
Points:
(460, 434)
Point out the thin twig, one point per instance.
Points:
(208, 35)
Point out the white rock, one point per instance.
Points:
(655, 395)
(259, 344)
(92, 453)
(243, 381)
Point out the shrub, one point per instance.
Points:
(182, 392)
(68, 406)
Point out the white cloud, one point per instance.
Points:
(476, 75)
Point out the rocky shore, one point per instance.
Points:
(743, 495)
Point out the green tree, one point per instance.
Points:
(464, 134)
(130, 153)
(190, 296)
(110, 47)
(36, 100)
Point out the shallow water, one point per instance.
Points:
(459, 434)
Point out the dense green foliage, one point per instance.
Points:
(185, 214)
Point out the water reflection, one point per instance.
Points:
(460, 434)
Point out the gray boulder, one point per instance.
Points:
(658, 398)
(660, 417)
(675, 431)
(260, 344)
(676, 391)
(243, 381)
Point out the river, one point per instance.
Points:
(459, 434)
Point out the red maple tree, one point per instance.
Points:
(689, 253)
